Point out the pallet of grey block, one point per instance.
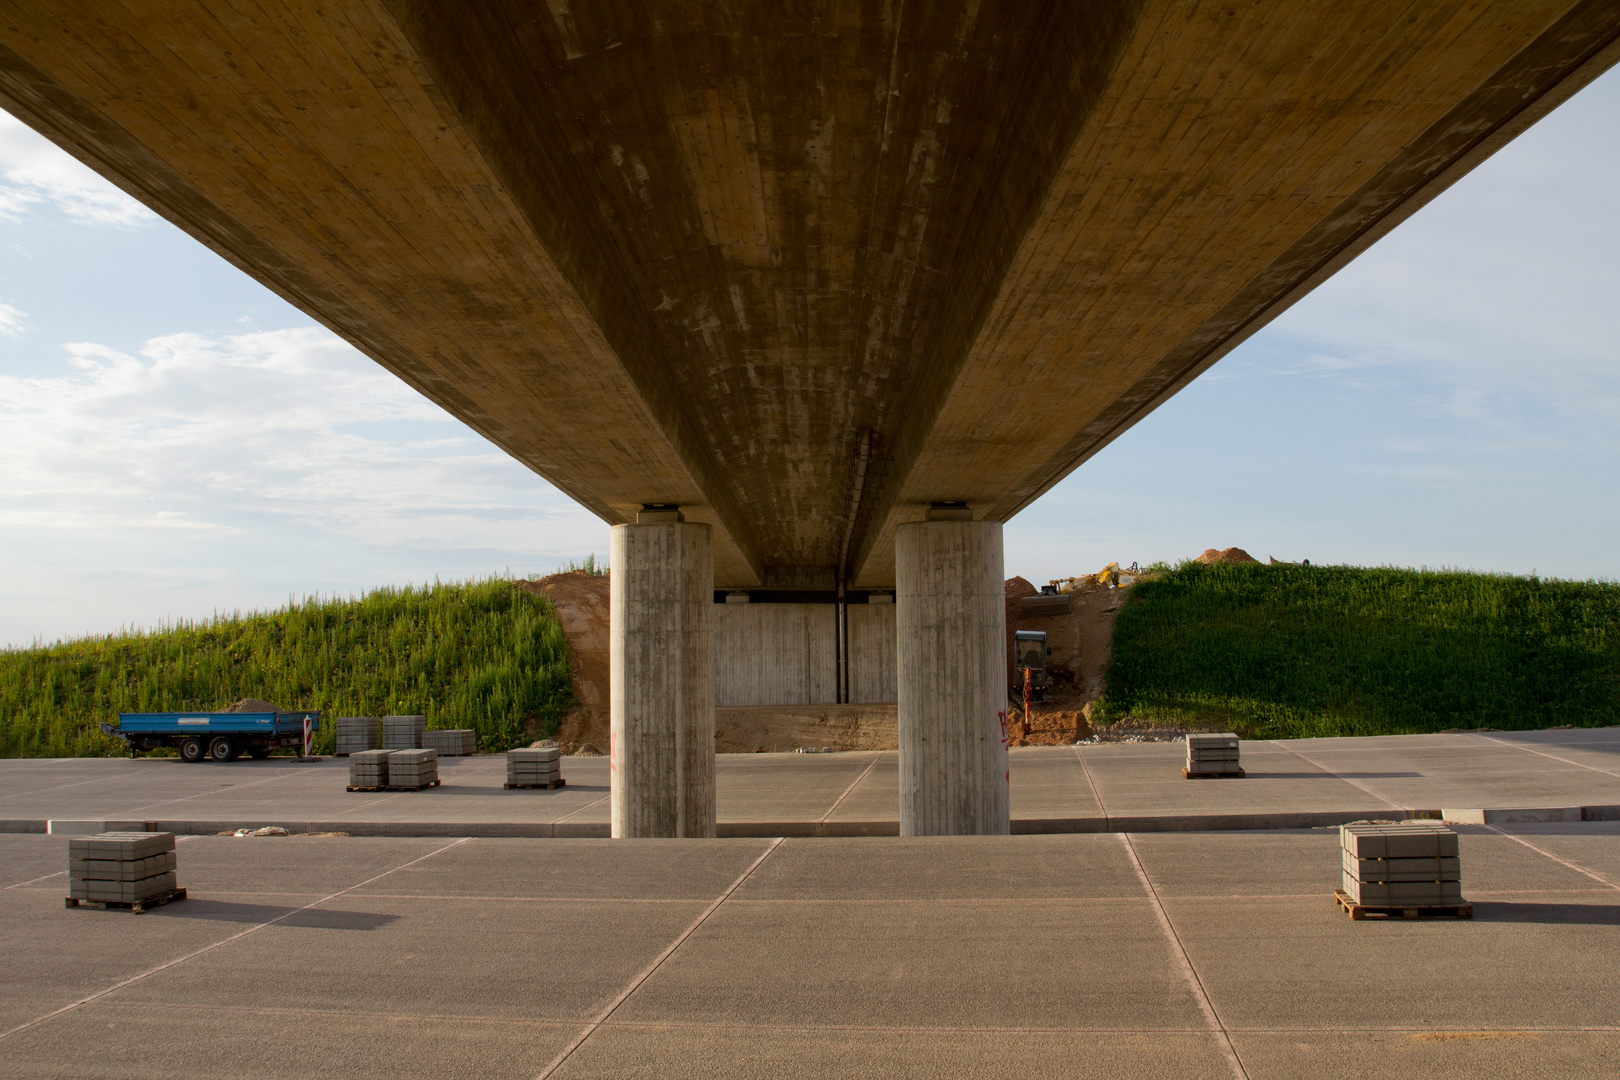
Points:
(453, 742)
(1211, 756)
(356, 734)
(368, 769)
(534, 767)
(132, 871)
(403, 732)
(1406, 869)
(412, 770)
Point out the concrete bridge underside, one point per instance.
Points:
(803, 269)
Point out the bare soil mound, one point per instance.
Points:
(1081, 643)
(581, 601)
(252, 704)
(1231, 554)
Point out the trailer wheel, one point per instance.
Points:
(191, 749)
(259, 751)
(223, 749)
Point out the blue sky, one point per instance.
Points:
(175, 440)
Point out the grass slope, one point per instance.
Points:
(479, 655)
(1297, 651)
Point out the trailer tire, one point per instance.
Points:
(192, 749)
(222, 749)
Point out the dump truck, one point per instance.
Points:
(216, 736)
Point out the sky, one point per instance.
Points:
(176, 441)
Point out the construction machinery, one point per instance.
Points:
(1030, 651)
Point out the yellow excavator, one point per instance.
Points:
(1109, 577)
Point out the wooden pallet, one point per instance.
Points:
(137, 906)
(1363, 911)
(1185, 775)
(548, 787)
(391, 787)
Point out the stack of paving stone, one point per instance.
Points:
(403, 732)
(357, 733)
(1213, 755)
(1408, 864)
(457, 742)
(413, 768)
(369, 768)
(534, 767)
(121, 868)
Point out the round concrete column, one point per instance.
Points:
(662, 686)
(952, 669)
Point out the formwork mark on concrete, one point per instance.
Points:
(849, 790)
(1194, 983)
(658, 962)
(1340, 776)
(1543, 753)
(1593, 874)
(218, 944)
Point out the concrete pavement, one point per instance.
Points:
(1105, 955)
(1097, 788)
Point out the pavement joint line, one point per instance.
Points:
(1196, 984)
(1091, 783)
(647, 972)
(1593, 874)
(849, 790)
(187, 798)
(47, 877)
(581, 810)
(218, 944)
(1554, 757)
(923, 1029)
(1341, 776)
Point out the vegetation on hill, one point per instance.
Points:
(1300, 651)
(477, 654)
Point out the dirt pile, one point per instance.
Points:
(1081, 643)
(252, 704)
(581, 601)
(1231, 554)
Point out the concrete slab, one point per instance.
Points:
(122, 1041)
(832, 957)
(727, 1051)
(1054, 789)
(922, 964)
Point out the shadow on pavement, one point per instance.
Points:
(1555, 914)
(315, 918)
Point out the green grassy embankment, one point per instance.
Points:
(478, 654)
(1300, 651)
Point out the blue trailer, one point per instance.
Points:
(215, 736)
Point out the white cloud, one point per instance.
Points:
(1500, 295)
(11, 321)
(197, 435)
(35, 172)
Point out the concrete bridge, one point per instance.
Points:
(808, 298)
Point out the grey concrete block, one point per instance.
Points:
(1222, 741)
(1435, 869)
(1398, 893)
(126, 891)
(1402, 840)
(123, 846)
(119, 870)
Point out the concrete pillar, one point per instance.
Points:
(662, 685)
(952, 670)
